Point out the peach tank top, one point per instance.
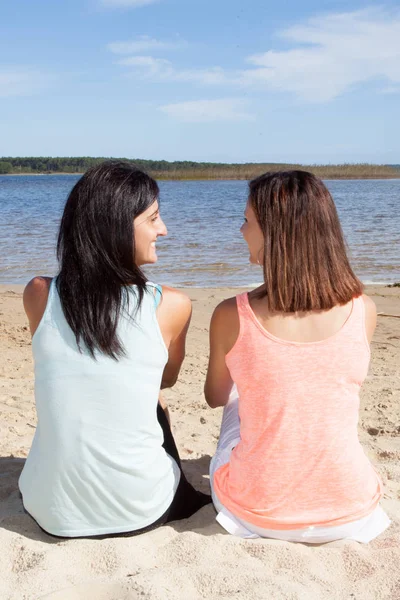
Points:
(299, 462)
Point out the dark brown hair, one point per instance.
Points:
(305, 262)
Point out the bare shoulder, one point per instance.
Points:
(36, 290)
(175, 300)
(370, 306)
(173, 315)
(370, 316)
(224, 327)
(225, 310)
(35, 298)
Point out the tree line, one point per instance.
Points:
(163, 169)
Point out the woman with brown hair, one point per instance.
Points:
(287, 361)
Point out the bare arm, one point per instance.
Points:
(35, 299)
(224, 330)
(173, 314)
(370, 317)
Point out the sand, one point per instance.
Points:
(195, 559)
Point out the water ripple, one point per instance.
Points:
(204, 247)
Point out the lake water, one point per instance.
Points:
(204, 247)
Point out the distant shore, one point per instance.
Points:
(193, 171)
(169, 177)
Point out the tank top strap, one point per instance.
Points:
(157, 294)
(353, 328)
(357, 312)
(50, 313)
(53, 291)
(355, 325)
(156, 291)
(242, 302)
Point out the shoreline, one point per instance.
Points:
(166, 178)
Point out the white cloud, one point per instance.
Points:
(20, 81)
(205, 111)
(127, 3)
(149, 66)
(160, 69)
(392, 89)
(142, 44)
(334, 53)
(331, 55)
(210, 76)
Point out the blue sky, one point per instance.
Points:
(209, 80)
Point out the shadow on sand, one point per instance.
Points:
(13, 516)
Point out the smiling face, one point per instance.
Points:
(147, 227)
(253, 236)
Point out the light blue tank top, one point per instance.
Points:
(97, 465)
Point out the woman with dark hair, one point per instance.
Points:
(287, 361)
(105, 341)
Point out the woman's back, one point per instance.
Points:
(313, 326)
(107, 471)
(297, 348)
(299, 462)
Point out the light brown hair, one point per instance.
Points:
(305, 262)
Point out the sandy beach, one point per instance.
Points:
(195, 559)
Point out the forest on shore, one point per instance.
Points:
(181, 170)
